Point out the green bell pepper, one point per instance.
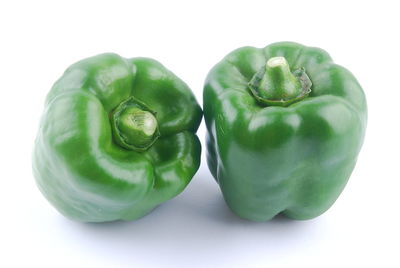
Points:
(117, 138)
(285, 126)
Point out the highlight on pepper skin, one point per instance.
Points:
(293, 119)
(117, 138)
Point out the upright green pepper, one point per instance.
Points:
(116, 139)
(285, 126)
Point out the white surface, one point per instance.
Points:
(39, 39)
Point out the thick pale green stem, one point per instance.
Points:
(134, 125)
(276, 85)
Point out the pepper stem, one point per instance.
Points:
(134, 125)
(274, 84)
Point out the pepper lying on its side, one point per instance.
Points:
(116, 139)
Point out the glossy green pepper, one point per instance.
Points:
(285, 126)
(116, 139)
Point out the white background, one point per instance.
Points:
(40, 39)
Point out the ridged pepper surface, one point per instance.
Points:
(285, 126)
(116, 139)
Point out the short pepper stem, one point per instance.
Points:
(275, 85)
(134, 125)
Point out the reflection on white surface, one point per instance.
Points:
(191, 229)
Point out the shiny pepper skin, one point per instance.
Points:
(116, 139)
(272, 152)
